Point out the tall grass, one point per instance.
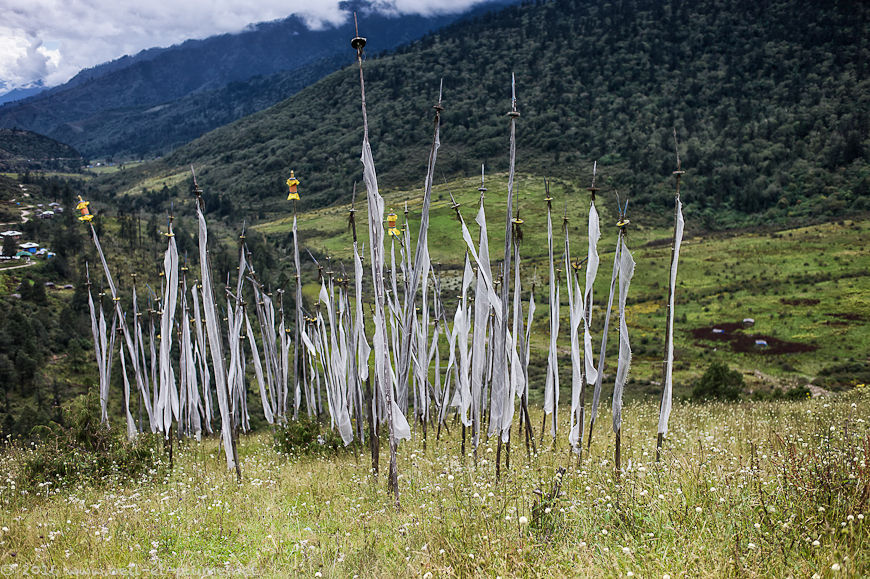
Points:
(769, 489)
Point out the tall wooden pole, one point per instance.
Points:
(617, 393)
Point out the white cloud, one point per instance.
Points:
(20, 55)
(424, 7)
(84, 33)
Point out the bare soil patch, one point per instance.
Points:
(799, 301)
(732, 333)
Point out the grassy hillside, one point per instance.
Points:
(804, 286)
(770, 103)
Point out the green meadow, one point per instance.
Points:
(806, 288)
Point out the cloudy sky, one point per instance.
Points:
(51, 40)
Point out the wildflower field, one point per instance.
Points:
(772, 489)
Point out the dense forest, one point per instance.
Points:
(770, 102)
(22, 151)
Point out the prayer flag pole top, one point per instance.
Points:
(482, 187)
(679, 170)
(292, 184)
(514, 113)
(592, 188)
(623, 209)
(357, 42)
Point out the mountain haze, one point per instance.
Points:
(20, 93)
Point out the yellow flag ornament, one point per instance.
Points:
(292, 182)
(82, 207)
(391, 224)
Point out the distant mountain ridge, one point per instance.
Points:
(104, 110)
(21, 93)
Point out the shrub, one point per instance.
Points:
(719, 382)
(306, 436)
(85, 450)
(798, 393)
(843, 376)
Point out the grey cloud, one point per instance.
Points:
(89, 32)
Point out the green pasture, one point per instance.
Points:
(806, 286)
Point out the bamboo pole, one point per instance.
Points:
(617, 392)
(358, 43)
(499, 350)
(669, 326)
(587, 310)
(215, 342)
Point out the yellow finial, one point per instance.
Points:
(391, 224)
(292, 182)
(82, 207)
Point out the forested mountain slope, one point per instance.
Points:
(770, 101)
(22, 151)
